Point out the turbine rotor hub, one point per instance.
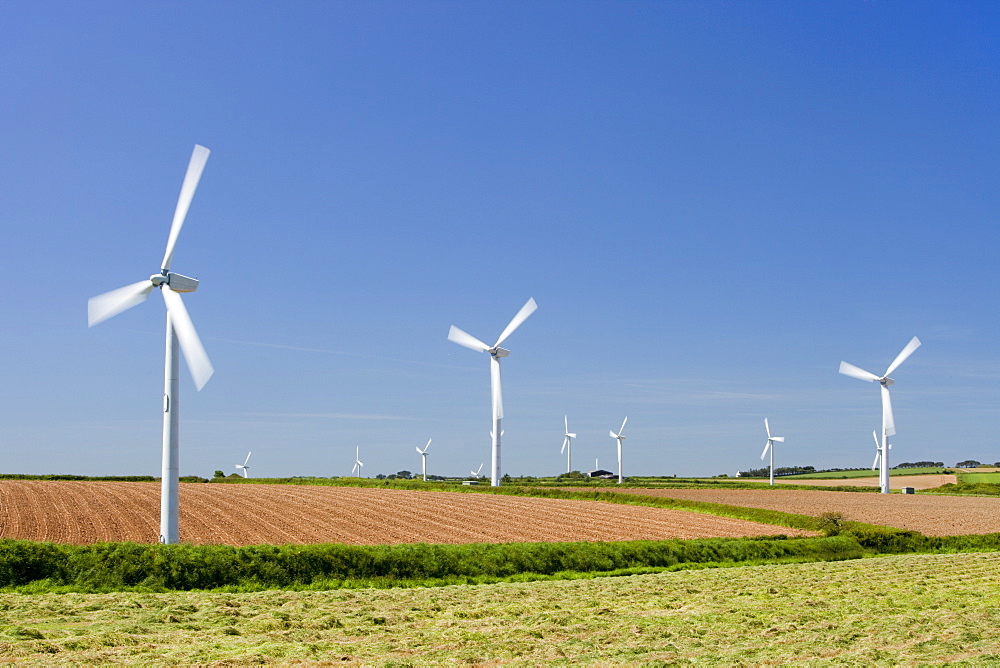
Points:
(499, 352)
(886, 381)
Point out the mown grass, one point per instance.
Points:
(913, 609)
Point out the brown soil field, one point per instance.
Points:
(929, 514)
(895, 482)
(89, 512)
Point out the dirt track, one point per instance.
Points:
(88, 512)
(928, 514)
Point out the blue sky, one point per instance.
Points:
(713, 203)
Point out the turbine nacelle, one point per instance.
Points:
(176, 282)
(886, 381)
(499, 352)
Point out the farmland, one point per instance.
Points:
(88, 512)
(909, 609)
(929, 514)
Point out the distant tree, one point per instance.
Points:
(405, 475)
(967, 464)
(380, 476)
(219, 474)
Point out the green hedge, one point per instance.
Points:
(117, 566)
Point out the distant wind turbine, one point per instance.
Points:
(567, 446)
(475, 474)
(245, 466)
(888, 422)
(456, 335)
(357, 462)
(618, 437)
(769, 446)
(423, 457)
(179, 329)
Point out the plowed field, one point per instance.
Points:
(88, 512)
(896, 482)
(928, 514)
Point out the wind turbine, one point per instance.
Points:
(496, 352)
(475, 474)
(244, 466)
(620, 438)
(770, 446)
(423, 455)
(878, 451)
(888, 423)
(357, 462)
(179, 329)
(567, 445)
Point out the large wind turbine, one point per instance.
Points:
(567, 446)
(770, 446)
(878, 450)
(496, 352)
(179, 329)
(888, 423)
(358, 464)
(475, 474)
(423, 456)
(245, 465)
(618, 437)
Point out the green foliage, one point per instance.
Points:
(971, 489)
(124, 566)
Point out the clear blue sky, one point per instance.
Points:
(713, 203)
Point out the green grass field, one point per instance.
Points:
(893, 610)
(864, 473)
(989, 478)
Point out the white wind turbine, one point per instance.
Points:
(357, 462)
(475, 474)
(878, 450)
(618, 437)
(770, 446)
(456, 335)
(245, 466)
(567, 446)
(888, 423)
(423, 456)
(179, 329)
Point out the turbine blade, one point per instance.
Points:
(563, 448)
(419, 451)
(878, 458)
(247, 459)
(622, 430)
(496, 391)
(194, 353)
(767, 428)
(522, 315)
(856, 372)
(566, 420)
(571, 435)
(766, 447)
(612, 433)
(428, 444)
(110, 304)
(779, 439)
(455, 335)
(887, 419)
(198, 159)
(901, 357)
(875, 436)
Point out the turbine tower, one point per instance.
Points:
(357, 462)
(179, 329)
(770, 446)
(244, 466)
(618, 437)
(423, 456)
(567, 446)
(496, 352)
(888, 423)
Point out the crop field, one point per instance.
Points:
(909, 610)
(89, 512)
(929, 514)
(926, 481)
